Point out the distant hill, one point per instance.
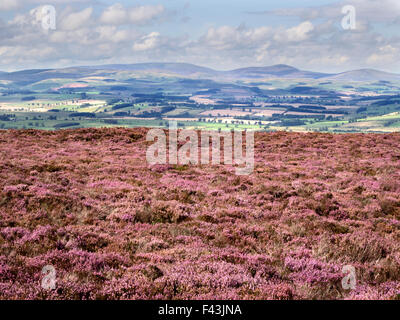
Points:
(279, 71)
(34, 75)
(185, 69)
(276, 71)
(365, 75)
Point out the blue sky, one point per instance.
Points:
(221, 34)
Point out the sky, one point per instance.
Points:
(221, 34)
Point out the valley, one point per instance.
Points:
(272, 98)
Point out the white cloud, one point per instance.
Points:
(300, 32)
(117, 14)
(113, 34)
(385, 55)
(6, 5)
(76, 20)
(228, 37)
(386, 11)
(147, 42)
(144, 14)
(25, 53)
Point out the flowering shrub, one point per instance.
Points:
(86, 202)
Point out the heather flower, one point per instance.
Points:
(115, 228)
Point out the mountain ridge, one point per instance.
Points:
(280, 71)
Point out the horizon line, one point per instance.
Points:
(197, 65)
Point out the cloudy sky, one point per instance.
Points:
(221, 34)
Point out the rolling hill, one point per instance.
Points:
(279, 71)
(365, 75)
(185, 69)
(276, 71)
